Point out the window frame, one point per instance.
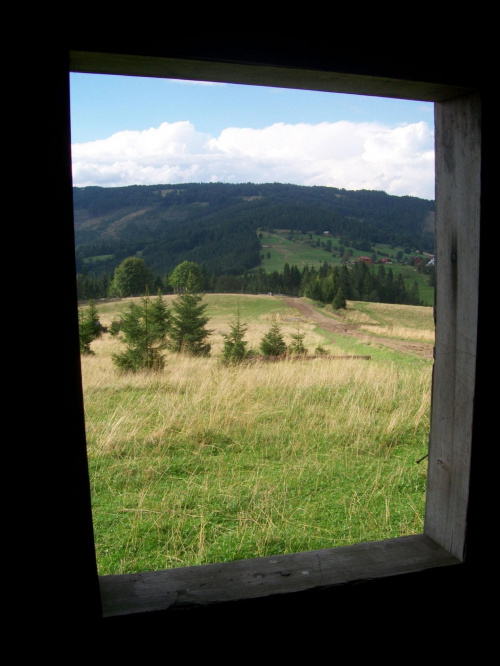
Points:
(458, 211)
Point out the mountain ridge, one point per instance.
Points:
(217, 224)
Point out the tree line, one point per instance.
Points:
(356, 281)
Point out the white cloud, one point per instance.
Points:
(398, 160)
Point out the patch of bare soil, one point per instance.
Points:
(335, 326)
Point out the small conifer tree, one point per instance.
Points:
(234, 350)
(89, 327)
(297, 344)
(339, 301)
(321, 351)
(273, 343)
(144, 328)
(160, 314)
(115, 327)
(188, 332)
(86, 333)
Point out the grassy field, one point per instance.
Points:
(204, 463)
(392, 321)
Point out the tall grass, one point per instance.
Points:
(204, 463)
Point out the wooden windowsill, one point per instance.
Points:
(212, 584)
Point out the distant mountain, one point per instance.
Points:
(216, 224)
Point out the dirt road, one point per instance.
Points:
(334, 326)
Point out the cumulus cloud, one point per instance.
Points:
(398, 160)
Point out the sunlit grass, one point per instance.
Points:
(412, 318)
(400, 332)
(203, 463)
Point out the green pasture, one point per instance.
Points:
(203, 463)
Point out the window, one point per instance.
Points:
(458, 160)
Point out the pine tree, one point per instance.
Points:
(144, 329)
(415, 294)
(234, 350)
(273, 344)
(115, 327)
(160, 315)
(89, 327)
(297, 344)
(339, 301)
(321, 351)
(313, 290)
(188, 333)
(86, 333)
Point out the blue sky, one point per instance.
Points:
(132, 130)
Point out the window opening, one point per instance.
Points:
(160, 467)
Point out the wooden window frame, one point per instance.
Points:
(458, 212)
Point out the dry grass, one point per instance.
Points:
(400, 332)
(203, 463)
(410, 317)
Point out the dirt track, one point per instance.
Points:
(334, 326)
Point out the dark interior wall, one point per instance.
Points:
(432, 54)
(67, 582)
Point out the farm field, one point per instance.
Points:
(204, 463)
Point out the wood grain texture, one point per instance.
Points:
(214, 584)
(458, 183)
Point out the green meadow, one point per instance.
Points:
(203, 463)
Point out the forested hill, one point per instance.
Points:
(216, 224)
